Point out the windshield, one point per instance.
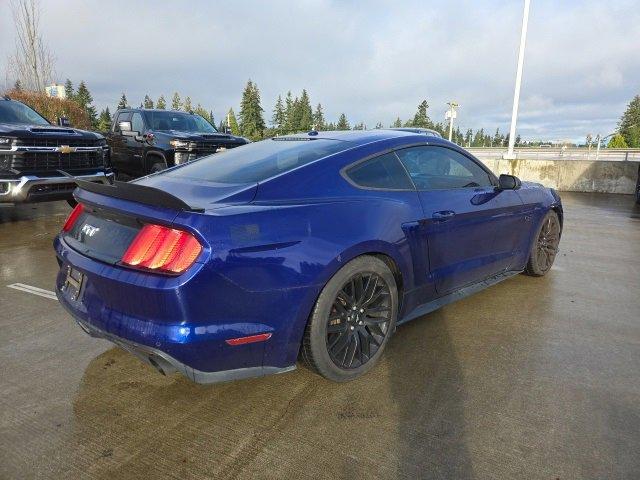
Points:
(16, 112)
(185, 122)
(258, 161)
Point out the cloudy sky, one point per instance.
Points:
(372, 60)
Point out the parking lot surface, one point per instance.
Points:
(534, 378)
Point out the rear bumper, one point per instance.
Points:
(32, 188)
(180, 324)
(166, 364)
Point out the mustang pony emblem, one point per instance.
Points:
(66, 149)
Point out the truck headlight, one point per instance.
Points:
(5, 143)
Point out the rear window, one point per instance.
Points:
(384, 172)
(258, 161)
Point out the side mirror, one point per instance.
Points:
(63, 122)
(125, 128)
(509, 182)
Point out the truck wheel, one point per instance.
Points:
(352, 320)
(158, 167)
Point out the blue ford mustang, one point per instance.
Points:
(311, 246)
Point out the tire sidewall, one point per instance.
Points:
(320, 315)
(536, 270)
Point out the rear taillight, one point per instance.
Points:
(73, 216)
(163, 249)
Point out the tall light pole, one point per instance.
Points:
(516, 94)
(451, 114)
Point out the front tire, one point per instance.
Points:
(352, 320)
(158, 167)
(545, 248)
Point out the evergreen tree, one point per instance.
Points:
(251, 121)
(343, 123)
(497, 139)
(397, 123)
(629, 126)
(278, 118)
(187, 105)
(289, 126)
(17, 86)
(618, 141)
(359, 126)
(123, 101)
(478, 138)
(161, 103)
(468, 138)
(212, 120)
(305, 112)
(331, 127)
(442, 129)
(421, 119)
(232, 122)
(68, 89)
(176, 102)
(319, 123)
(84, 99)
(148, 103)
(379, 126)
(296, 115)
(104, 120)
(518, 140)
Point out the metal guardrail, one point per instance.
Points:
(606, 155)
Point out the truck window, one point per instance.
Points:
(121, 117)
(137, 124)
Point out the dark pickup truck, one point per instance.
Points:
(33, 153)
(145, 141)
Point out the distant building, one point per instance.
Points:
(56, 91)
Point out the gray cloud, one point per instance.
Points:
(373, 61)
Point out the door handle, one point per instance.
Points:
(443, 215)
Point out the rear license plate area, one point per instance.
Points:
(74, 282)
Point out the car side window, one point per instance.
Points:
(383, 172)
(121, 117)
(137, 124)
(441, 168)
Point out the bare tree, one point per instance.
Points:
(32, 63)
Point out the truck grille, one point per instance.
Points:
(55, 142)
(41, 161)
(210, 147)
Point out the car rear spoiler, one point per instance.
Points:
(135, 193)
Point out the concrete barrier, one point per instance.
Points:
(570, 175)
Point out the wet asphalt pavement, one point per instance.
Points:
(535, 378)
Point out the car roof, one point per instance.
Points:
(357, 137)
(428, 131)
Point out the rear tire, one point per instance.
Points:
(352, 320)
(545, 248)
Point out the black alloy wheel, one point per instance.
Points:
(352, 320)
(545, 248)
(359, 320)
